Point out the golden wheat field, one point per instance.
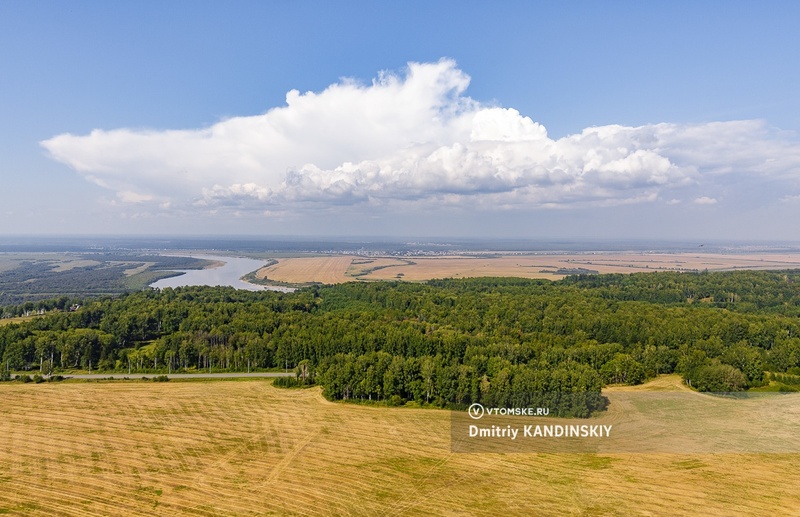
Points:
(336, 269)
(247, 448)
(326, 270)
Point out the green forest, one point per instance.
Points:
(447, 343)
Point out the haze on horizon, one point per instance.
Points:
(513, 121)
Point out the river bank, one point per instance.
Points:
(226, 271)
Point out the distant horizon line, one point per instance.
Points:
(252, 236)
(23, 239)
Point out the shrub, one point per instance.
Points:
(287, 382)
(717, 377)
(394, 401)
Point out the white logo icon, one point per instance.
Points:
(475, 411)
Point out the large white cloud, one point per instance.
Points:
(418, 138)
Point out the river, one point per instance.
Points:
(228, 274)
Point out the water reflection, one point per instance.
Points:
(228, 274)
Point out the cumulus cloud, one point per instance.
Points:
(705, 200)
(415, 137)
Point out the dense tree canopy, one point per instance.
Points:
(447, 342)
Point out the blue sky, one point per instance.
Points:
(675, 120)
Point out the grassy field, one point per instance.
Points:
(247, 448)
(336, 269)
(6, 321)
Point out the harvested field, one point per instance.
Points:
(426, 268)
(335, 269)
(247, 448)
(361, 267)
(327, 270)
(644, 262)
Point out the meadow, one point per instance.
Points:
(20, 319)
(247, 448)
